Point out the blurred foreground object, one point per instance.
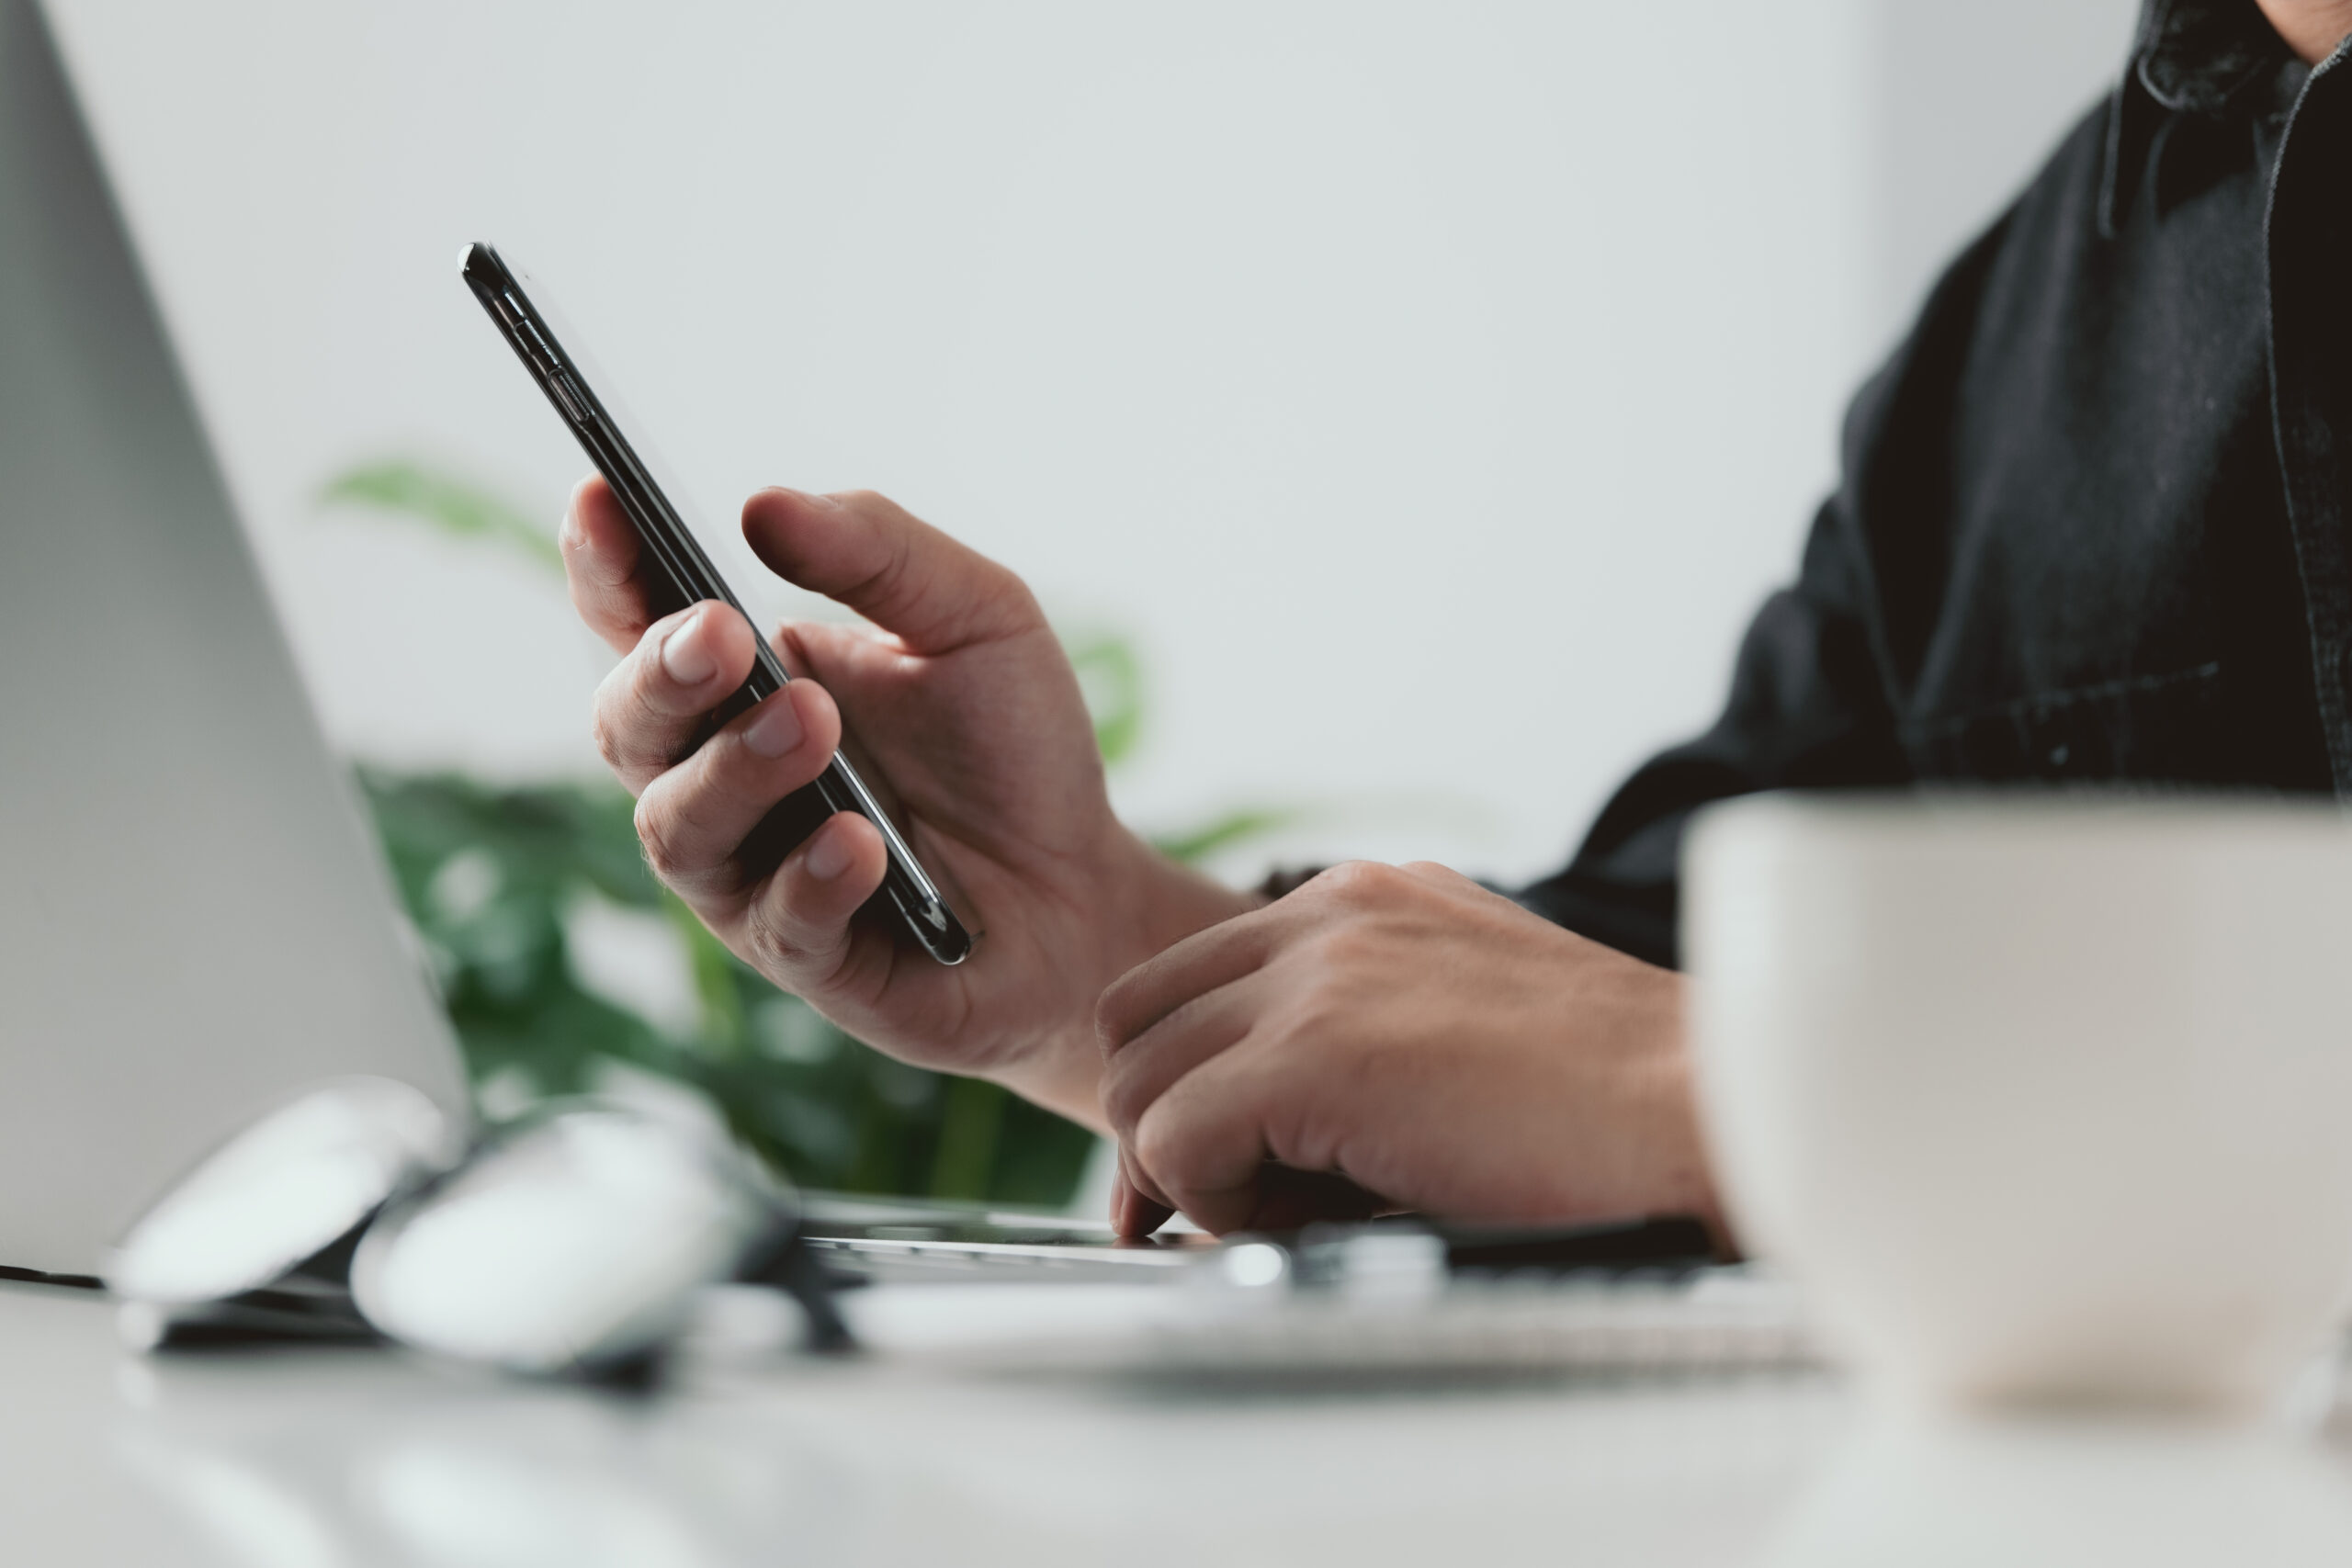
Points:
(576, 1241)
(2040, 1096)
(573, 1241)
(255, 1242)
(1390, 1301)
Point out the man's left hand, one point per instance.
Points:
(1397, 1037)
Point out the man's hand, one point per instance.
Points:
(971, 715)
(1397, 1037)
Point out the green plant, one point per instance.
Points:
(496, 879)
(503, 882)
(450, 504)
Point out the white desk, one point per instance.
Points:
(270, 1461)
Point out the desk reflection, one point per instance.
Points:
(2057, 1490)
(487, 1474)
(368, 1459)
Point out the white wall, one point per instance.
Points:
(1432, 390)
(1966, 101)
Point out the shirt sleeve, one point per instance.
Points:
(1808, 709)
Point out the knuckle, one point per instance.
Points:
(1113, 1017)
(1344, 951)
(1123, 1101)
(1338, 946)
(654, 836)
(793, 950)
(893, 581)
(1164, 1146)
(619, 720)
(1300, 1132)
(771, 946)
(601, 730)
(1360, 881)
(606, 579)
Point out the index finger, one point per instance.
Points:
(1134, 1213)
(600, 557)
(1200, 964)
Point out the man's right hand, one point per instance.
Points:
(971, 715)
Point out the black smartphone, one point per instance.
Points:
(686, 573)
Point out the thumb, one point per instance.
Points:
(867, 552)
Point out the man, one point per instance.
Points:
(2091, 528)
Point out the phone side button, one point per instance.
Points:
(568, 395)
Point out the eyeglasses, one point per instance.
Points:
(573, 1241)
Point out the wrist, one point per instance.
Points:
(1141, 903)
(1686, 1177)
(1158, 902)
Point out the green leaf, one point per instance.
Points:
(1233, 828)
(971, 1121)
(450, 504)
(1111, 675)
(725, 1030)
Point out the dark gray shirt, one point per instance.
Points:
(2091, 521)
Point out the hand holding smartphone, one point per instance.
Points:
(686, 572)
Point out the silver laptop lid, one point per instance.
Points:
(194, 922)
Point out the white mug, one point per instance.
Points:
(2039, 1098)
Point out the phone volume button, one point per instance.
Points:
(568, 395)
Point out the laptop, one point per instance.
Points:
(194, 919)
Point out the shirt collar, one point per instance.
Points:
(2203, 58)
(2200, 56)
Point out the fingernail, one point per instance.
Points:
(683, 655)
(777, 730)
(828, 857)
